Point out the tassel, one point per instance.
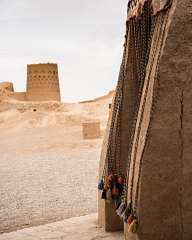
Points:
(104, 194)
(101, 185)
(117, 202)
(120, 188)
(130, 219)
(133, 227)
(120, 180)
(115, 191)
(121, 209)
(109, 196)
(126, 214)
(110, 181)
(110, 178)
(106, 187)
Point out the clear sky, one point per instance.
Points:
(85, 38)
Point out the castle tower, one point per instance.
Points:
(42, 82)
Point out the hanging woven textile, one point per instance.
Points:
(144, 19)
(136, 50)
(138, 44)
(112, 180)
(140, 26)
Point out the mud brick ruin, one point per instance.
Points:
(42, 84)
(91, 130)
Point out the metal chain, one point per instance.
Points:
(138, 46)
(132, 179)
(142, 54)
(112, 152)
(161, 20)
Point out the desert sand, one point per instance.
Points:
(48, 172)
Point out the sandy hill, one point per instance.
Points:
(18, 114)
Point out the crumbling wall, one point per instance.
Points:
(7, 90)
(20, 96)
(91, 130)
(7, 86)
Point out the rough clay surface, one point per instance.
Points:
(48, 172)
(164, 152)
(164, 205)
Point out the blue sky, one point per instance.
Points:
(85, 38)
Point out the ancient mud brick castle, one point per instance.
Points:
(42, 84)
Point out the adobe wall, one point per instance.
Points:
(20, 96)
(42, 82)
(107, 217)
(91, 130)
(162, 145)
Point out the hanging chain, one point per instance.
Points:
(161, 20)
(138, 42)
(138, 54)
(113, 145)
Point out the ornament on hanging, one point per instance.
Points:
(115, 190)
(104, 194)
(121, 208)
(101, 184)
(120, 180)
(111, 177)
(133, 227)
(130, 219)
(110, 181)
(126, 214)
(117, 202)
(112, 189)
(109, 196)
(120, 188)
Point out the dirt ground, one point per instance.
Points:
(47, 171)
(81, 228)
